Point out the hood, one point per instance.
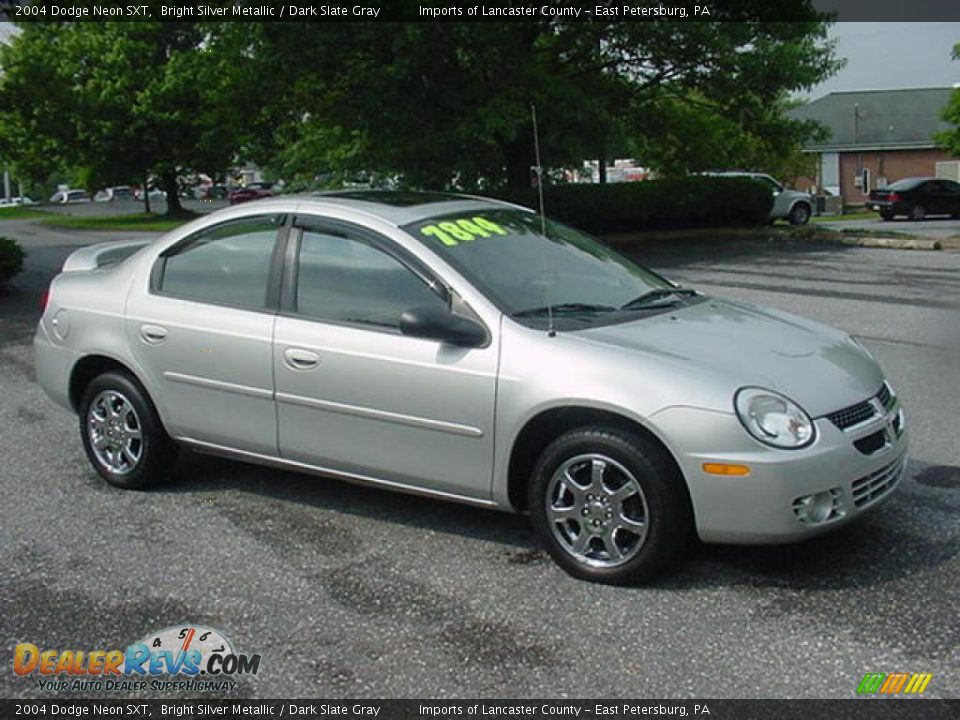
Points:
(742, 344)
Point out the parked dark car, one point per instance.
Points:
(253, 191)
(916, 198)
(213, 192)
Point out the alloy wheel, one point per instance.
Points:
(115, 432)
(597, 511)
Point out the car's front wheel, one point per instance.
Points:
(609, 505)
(122, 433)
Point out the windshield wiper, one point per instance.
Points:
(564, 309)
(656, 298)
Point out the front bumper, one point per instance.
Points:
(766, 506)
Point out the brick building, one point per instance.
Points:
(876, 137)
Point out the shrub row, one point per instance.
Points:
(671, 204)
(11, 259)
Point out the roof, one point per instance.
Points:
(395, 207)
(877, 119)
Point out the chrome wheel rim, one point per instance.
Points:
(115, 432)
(597, 510)
(918, 213)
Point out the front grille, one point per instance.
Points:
(874, 486)
(863, 411)
(872, 443)
(886, 397)
(853, 415)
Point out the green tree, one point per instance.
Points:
(696, 134)
(124, 101)
(950, 139)
(449, 103)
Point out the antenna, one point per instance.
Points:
(551, 331)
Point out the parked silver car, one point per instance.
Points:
(791, 205)
(451, 346)
(70, 197)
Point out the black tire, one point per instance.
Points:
(130, 462)
(799, 214)
(886, 216)
(918, 212)
(663, 503)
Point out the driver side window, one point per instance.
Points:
(346, 279)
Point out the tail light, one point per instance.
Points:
(44, 299)
(893, 197)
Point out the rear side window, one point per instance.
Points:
(225, 265)
(345, 279)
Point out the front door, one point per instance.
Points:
(357, 396)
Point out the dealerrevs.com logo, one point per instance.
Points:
(181, 658)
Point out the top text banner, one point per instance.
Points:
(473, 11)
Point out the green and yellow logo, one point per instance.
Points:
(894, 683)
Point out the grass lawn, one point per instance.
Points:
(21, 213)
(864, 215)
(147, 222)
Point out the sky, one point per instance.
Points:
(879, 56)
(889, 55)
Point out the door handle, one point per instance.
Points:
(298, 359)
(153, 333)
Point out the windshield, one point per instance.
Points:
(504, 253)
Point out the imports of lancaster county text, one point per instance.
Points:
(534, 11)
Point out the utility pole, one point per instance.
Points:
(6, 182)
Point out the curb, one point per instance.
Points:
(893, 243)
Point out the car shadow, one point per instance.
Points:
(878, 549)
(198, 473)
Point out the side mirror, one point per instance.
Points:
(434, 323)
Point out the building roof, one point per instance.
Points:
(877, 119)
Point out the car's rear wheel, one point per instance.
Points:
(886, 215)
(799, 214)
(918, 212)
(609, 505)
(122, 433)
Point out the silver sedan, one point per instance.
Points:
(464, 349)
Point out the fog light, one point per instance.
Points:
(820, 507)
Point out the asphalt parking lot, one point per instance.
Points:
(352, 592)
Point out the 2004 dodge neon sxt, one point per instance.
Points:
(455, 347)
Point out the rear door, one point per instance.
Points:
(357, 396)
(204, 333)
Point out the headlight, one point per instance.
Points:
(773, 419)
